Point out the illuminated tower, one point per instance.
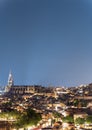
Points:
(10, 83)
(10, 80)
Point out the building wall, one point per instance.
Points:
(20, 89)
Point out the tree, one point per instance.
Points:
(80, 121)
(83, 103)
(9, 115)
(68, 119)
(89, 119)
(56, 115)
(28, 118)
(76, 102)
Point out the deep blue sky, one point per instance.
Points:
(47, 42)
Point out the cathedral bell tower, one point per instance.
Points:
(10, 82)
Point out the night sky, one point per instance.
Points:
(46, 42)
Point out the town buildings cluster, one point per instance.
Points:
(61, 108)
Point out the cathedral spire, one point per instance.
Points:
(10, 79)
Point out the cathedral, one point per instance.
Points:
(13, 89)
(18, 89)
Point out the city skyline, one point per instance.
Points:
(46, 42)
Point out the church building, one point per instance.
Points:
(18, 89)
